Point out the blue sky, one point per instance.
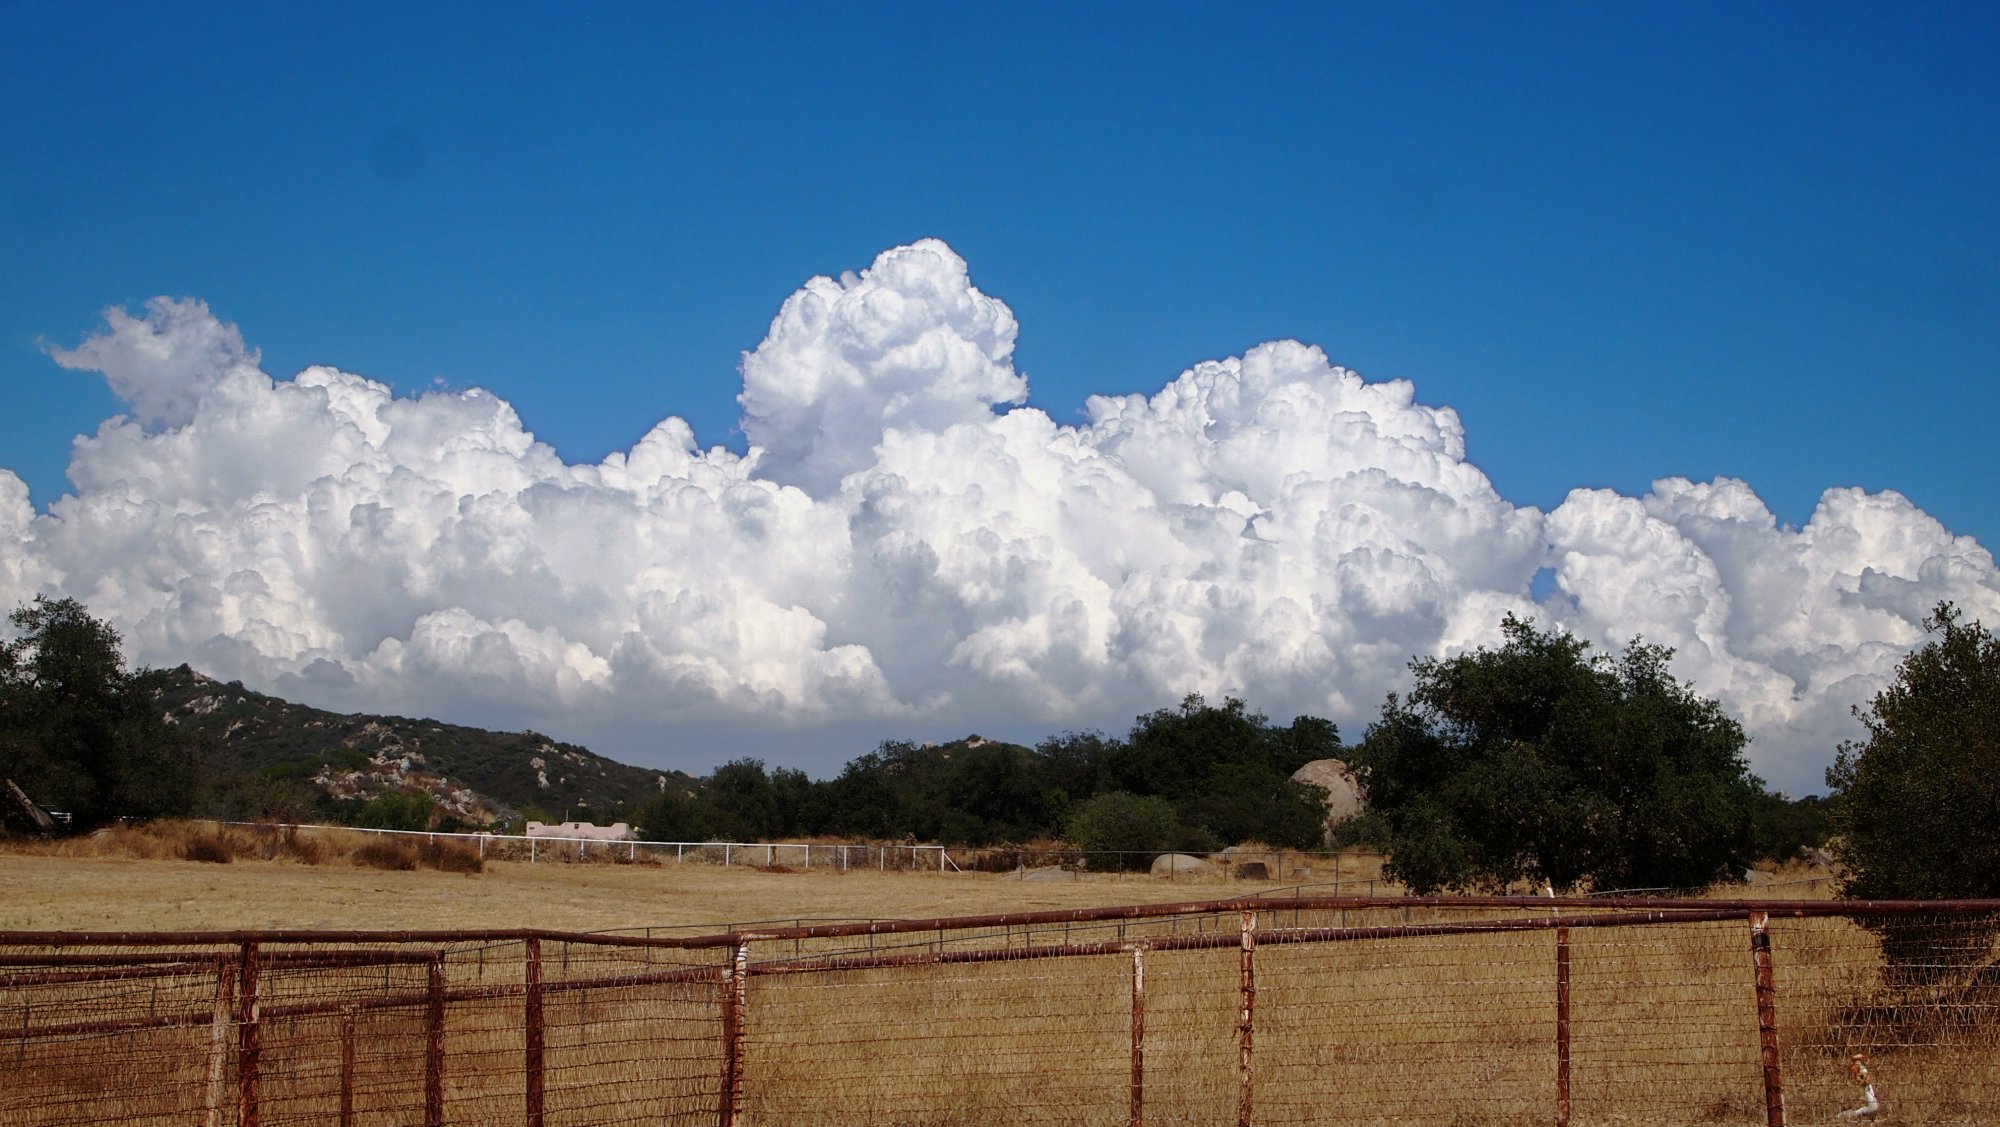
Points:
(1623, 241)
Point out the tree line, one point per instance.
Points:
(1537, 760)
(1196, 777)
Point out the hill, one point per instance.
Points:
(477, 776)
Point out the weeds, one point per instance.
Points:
(391, 855)
(210, 848)
(286, 843)
(447, 857)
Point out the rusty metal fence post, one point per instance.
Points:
(1767, 1018)
(434, 1046)
(249, 1038)
(735, 992)
(218, 1042)
(1562, 1027)
(533, 1038)
(1246, 1026)
(1138, 1117)
(533, 1046)
(347, 1067)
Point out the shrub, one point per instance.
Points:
(451, 857)
(303, 848)
(1126, 824)
(397, 810)
(392, 855)
(287, 843)
(212, 848)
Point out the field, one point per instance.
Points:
(1397, 1025)
(139, 883)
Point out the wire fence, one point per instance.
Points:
(1252, 1011)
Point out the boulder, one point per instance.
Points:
(1181, 865)
(1343, 794)
(1247, 862)
(1041, 875)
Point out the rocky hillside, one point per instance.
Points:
(477, 775)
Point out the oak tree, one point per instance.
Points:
(1541, 761)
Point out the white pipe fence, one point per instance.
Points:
(844, 856)
(1318, 869)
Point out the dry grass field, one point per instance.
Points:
(136, 881)
(1447, 1029)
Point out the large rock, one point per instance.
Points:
(1181, 865)
(1343, 794)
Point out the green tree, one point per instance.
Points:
(899, 790)
(1227, 770)
(1916, 804)
(996, 792)
(801, 804)
(1137, 826)
(77, 730)
(672, 815)
(1540, 761)
(740, 802)
(865, 795)
(1786, 826)
(1250, 803)
(398, 810)
(1073, 763)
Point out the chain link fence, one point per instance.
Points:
(1253, 1011)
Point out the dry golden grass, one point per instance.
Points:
(1441, 1029)
(134, 880)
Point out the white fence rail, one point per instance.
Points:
(1349, 871)
(804, 855)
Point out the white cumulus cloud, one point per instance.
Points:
(164, 364)
(906, 344)
(905, 546)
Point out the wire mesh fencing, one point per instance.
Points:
(353, 1029)
(1255, 1011)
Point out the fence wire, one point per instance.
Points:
(1331, 1011)
(369, 1031)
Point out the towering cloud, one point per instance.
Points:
(908, 344)
(900, 548)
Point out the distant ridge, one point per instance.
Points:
(476, 775)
